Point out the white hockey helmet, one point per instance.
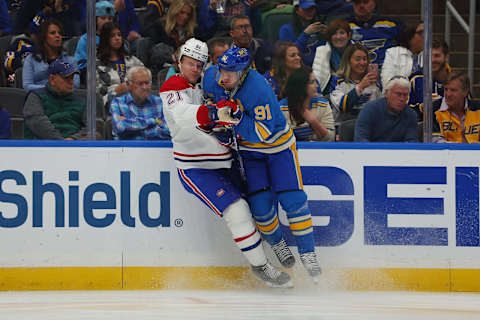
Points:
(195, 49)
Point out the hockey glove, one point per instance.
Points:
(208, 117)
(224, 136)
(236, 112)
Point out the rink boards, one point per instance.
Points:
(113, 215)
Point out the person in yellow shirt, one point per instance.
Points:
(456, 118)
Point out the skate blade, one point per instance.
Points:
(286, 285)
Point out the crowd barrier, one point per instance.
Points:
(113, 215)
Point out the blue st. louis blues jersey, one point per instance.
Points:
(263, 127)
(377, 36)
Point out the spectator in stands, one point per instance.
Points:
(286, 59)
(177, 27)
(48, 47)
(328, 57)
(376, 33)
(128, 20)
(309, 115)
(6, 24)
(440, 71)
(54, 112)
(216, 47)
(406, 58)
(456, 117)
(335, 8)
(104, 12)
(113, 62)
(355, 84)
(68, 12)
(304, 30)
(215, 23)
(260, 51)
(138, 115)
(20, 47)
(155, 10)
(388, 119)
(5, 124)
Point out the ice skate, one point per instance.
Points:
(283, 253)
(271, 276)
(310, 262)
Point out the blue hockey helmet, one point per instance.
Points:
(234, 59)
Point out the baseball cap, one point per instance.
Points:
(62, 68)
(304, 4)
(104, 9)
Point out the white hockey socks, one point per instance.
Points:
(239, 221)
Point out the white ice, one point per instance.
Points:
(297, 304)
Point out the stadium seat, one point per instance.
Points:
(70, 46)
(18, 82)
(272, 21)
(143, 50)
(347, 130)
(13, 100)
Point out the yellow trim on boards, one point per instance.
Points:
(231, 278)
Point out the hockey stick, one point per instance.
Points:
(235, 147)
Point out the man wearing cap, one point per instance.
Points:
(104, 12)
(376, 33)
(55, 112)
(304, 30)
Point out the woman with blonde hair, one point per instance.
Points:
(356, 83)
(177, 26)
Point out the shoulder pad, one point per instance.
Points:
(176, 83)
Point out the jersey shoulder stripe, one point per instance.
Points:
(176, 83)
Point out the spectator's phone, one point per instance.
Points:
(373, 67)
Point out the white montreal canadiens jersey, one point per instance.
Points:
(192, 148)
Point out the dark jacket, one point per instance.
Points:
(52, 116)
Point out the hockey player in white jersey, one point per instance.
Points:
(203, 163)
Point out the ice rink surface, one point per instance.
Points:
(264, 304)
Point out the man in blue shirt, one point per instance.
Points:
(138, 115)
(388, 119)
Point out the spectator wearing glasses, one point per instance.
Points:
(388, 119)
(138, 115)
(55, 112)
(260, 51)
(406, 58)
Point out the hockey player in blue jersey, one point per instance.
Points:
(267, 148)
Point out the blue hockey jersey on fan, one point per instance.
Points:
(263, 127)
(377, 35)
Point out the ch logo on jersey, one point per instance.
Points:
(220, 192)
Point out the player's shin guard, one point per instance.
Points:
(300, 219)
(264, 212)
(239, 221)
